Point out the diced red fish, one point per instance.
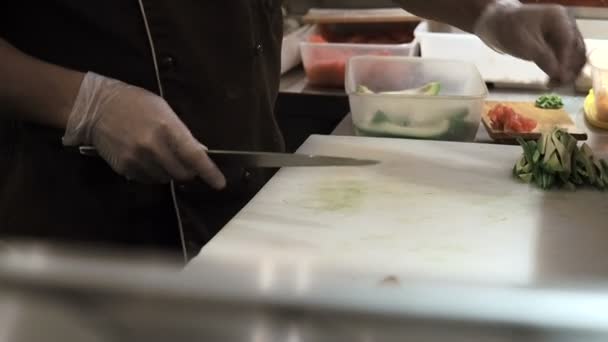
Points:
(505, 118)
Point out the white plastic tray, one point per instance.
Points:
(502, 70)
(290, 49)
(494, 67)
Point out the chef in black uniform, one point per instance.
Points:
(153, 83)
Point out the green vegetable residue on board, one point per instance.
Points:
(550, 101)
(340, 196)
(556, 160)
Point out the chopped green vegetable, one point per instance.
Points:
(380, 117)
(550, 101)
(555, 159)
(570, 186)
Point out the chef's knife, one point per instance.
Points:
(267, 159)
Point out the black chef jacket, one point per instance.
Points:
(218, 62)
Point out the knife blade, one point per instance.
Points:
(266, 159)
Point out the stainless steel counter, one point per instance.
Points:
(51, 295)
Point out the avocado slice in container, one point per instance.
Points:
(430, 89)
(451, 127)
(389, 129)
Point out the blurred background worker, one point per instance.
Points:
(151, 84)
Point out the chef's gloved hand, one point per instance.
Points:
(137, 133)
(544, 34)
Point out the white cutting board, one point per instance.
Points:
(430, 210)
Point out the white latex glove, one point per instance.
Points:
(544, 34)
(137, 133)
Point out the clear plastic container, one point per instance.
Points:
(598, 59)
(450, 112)
(325, 62)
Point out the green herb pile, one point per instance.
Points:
(555, 160)
(550, 101)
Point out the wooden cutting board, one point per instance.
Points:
(547, 120)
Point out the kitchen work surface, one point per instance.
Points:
(431, 210)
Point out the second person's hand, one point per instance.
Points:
(137, 133)
(544, 34)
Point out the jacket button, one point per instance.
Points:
(246, 175)
(167, 63)
(259, 49)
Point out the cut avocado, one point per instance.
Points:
(430, 89)
(361, 89)
(452, 127)
(387, 128)
(433, 89)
